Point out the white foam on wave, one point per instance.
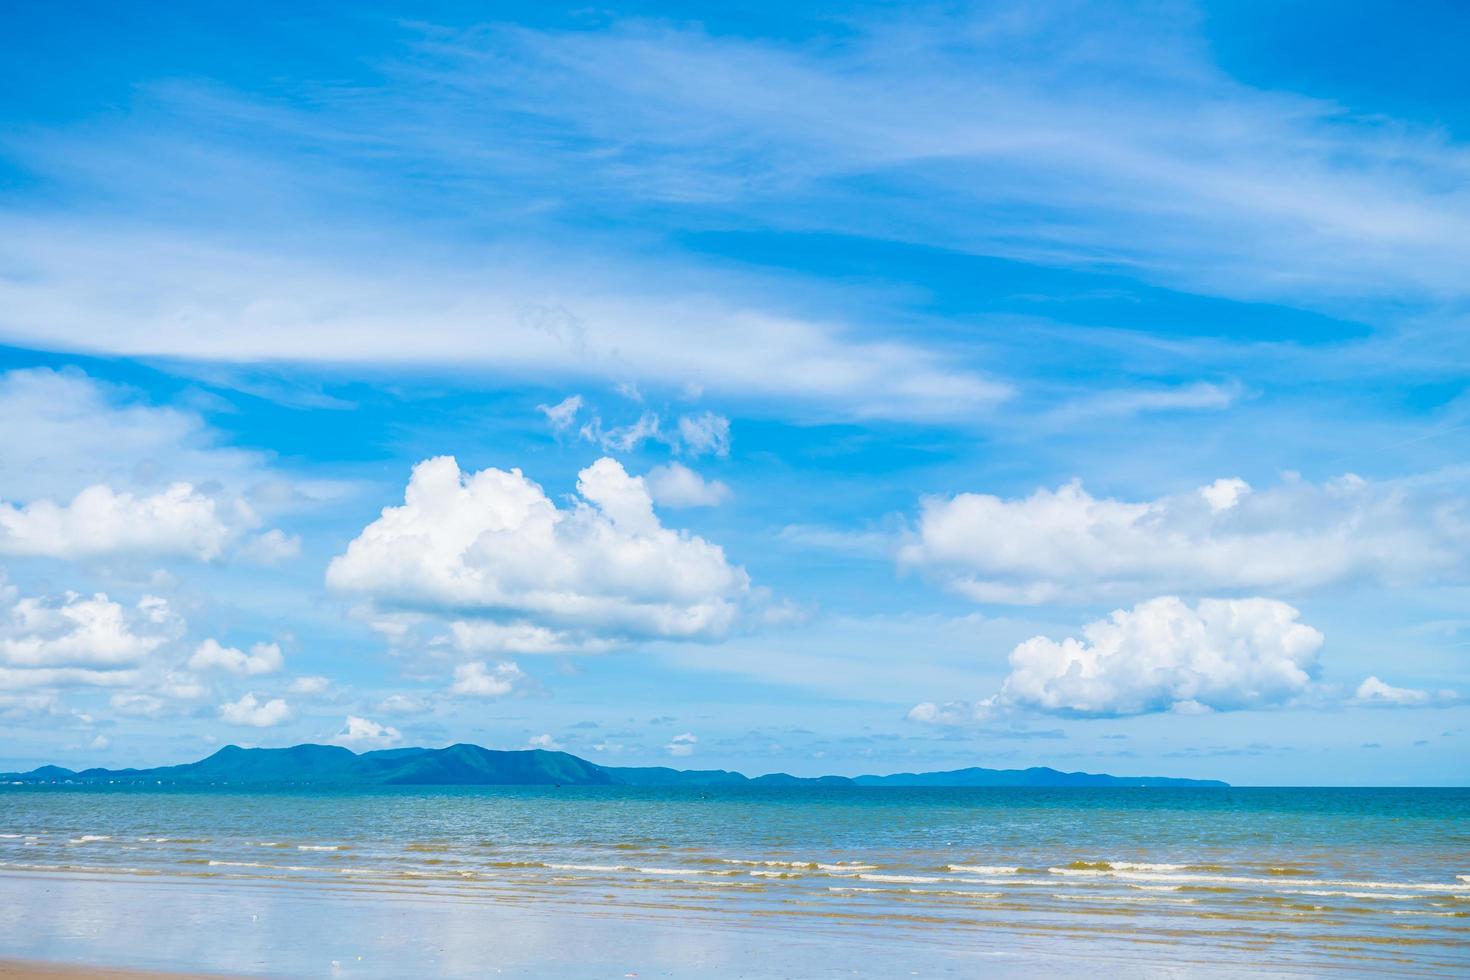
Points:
(589, 867)
(88, 838)
(775, 874)
(1274, 883)
(1126, 899)
(906, 879)
(1332, 893)
(256, 864)
(953, 892)
(847, 867)
(982, 869)
(317, 847)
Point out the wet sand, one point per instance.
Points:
(237, 928)
(21, 970)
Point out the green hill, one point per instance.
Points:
(471, 765)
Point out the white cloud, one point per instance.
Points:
(1376, 693)
(476, 679)
(562, 415)
(251, 712)
(138, 705)
(493, 542)
(543, 742)
(178, 522)
(949, 713)
(99, 743)
(1084, 136)
(682, 745)
(309, 686)
(361, 733)
(1224, 493)
(625, 438)
(92, 472)
(271, 547)
(63, 432)
(676, 485)
(263, 658)
(705, 433)
(1161, 655)
(78, 640)
(1066, 545)
(181, 687)
(1198, 396)
(483, 636)
(402, 704)
(17, 707)
(79, 287)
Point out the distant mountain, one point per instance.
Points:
(471, 765)
(1036, 776)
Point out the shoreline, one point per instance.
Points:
(158, 931)
(12, 969)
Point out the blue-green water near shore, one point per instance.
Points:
(1314, 880)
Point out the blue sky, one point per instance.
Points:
(850, 389)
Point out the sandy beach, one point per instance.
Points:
(22, 970)
(152, 927)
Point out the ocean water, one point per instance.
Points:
(1292, 881)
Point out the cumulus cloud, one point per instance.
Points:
(477, 679)
(17, 707)
(1066, 545)
(178, 522)
(1161, 655)
(402, 704)
(705, 433)
(263, 658)
(92, 474)
(1376, 693)
(361, 733)
(309, 686)
(78, 640)
(682, 745)
(254, 713)
(676, 485)
(495, 545)
(543, 742)
(181, 687)
(271, 547)
(64, 431)
(138, 705)
(484, 636)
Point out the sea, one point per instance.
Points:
(749, 882)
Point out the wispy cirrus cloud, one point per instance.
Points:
(1107, 130)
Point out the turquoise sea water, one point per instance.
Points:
(1313, 881)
